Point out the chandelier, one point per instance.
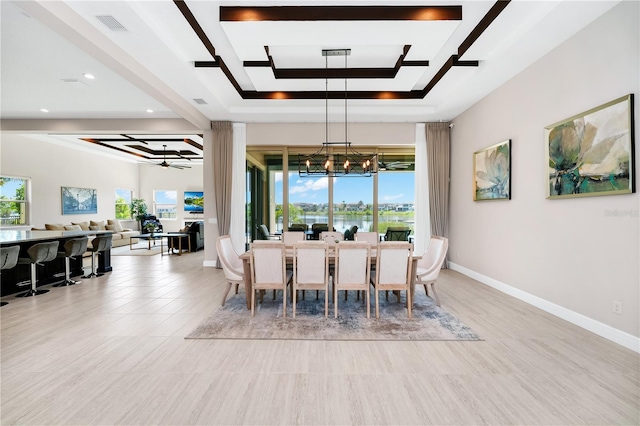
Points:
(337, 158)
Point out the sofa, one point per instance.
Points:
(196, 235)
(121, 236)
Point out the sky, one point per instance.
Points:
(396, 187)
(9, 189)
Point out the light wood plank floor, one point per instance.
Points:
(112, 351)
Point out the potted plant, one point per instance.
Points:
(150, 227)
(138, 210)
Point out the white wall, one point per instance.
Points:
(300, 134)
(568, 252)
(51, 166)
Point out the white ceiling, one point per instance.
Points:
(151, 64)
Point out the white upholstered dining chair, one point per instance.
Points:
(430, 264)
(269, 270)
(311, 270)
(231, 264)
(393, 270)
(291, 237)
(352, 270)
(372, 238)
(330, 237)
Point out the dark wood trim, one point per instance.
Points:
(206, 64)
(343, 13)
(256, 64)
(361, 94)
(186, 12)
(340, 13)
(194, 143)
(415, 63)
(322, 73)
(115, 148)
(484, 23)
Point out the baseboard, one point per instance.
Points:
(210, 263)
(620, 337)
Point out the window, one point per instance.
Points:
(13, 201)
(165, 204)
(395, 199)
(353, 203)
(123, 202)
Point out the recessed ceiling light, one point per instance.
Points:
(89, 76)
(44, 110)
(149, 111)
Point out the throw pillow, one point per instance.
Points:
(110, 227)
(83, 225)
(94, 228)
(100, 225)
(54, 226)
(116, 224)
(72, 228)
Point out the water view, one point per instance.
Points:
(352, 201)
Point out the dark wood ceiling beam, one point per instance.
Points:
(484, 23)
(335, 73)
(340, 13)
(194, 143)
(357, 94)
(115, 148)
(347, 13)
(186, 12)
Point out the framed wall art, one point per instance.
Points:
(79, 200)
(592, 153)
(492, 172)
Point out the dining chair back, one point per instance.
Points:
(290, 237)
(393, 270)
(397, 233)
(311, 269)
(231, 264)
(317, 228)
(331, 238)
(372, 238)
(430, 264)
(269, 270)
(352, 270)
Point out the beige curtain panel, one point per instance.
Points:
(438, 159)
(222, 174)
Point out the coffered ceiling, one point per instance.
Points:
(262, 61)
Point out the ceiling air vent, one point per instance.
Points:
(200, 101)
(111, 23)
(74, 82)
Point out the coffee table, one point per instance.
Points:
(159, 236)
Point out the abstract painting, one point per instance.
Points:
(492, 172)
(592, 153)
(79, 200)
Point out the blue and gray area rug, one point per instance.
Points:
(429, 322)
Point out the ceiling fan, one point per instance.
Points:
(393, 165)
(165, 165)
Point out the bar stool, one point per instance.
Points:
(38, 254)
(99, 243)
(72, 248)
(8, 260)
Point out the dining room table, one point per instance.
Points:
(246, 265)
